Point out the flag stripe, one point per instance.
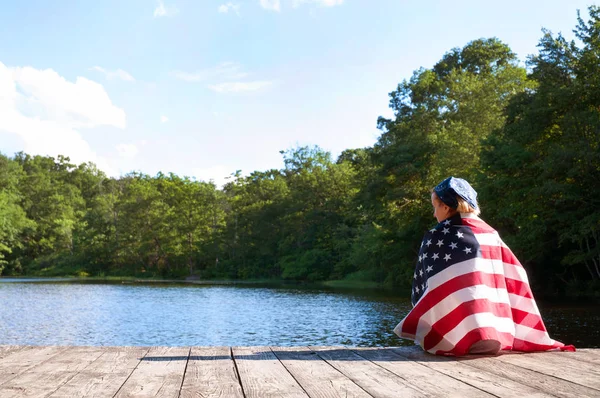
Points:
(481, 333)
(471, 323)
(449, 303)
(489, 266)
(442, 328)
(528, 319)
(434, 296)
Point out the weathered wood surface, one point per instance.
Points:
(28, 371)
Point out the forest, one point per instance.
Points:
(525, 133)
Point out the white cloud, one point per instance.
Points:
(236, 87)
(46, 111)
(117, 74)
(271, 5)
(127, 150)
(225, 71)
(224, 78)
(164, 119)
(162, 11)
(220, 175)
(225, 8)
(322, 3)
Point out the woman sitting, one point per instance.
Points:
(470, 294)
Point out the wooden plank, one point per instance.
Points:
(481, 379)
(425, 379)
(104, 376)
(566, 368)
(6, 350)
(317, 377)
(586, 355)
(159, 374)
(377, 381)
(48, 376)
(35, 385)
(211, 373)
(572, 359)
(263, 375)
(547, 384)
(17, 362)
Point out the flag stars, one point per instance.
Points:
(459, 234)
(432, 230)
(417, 289)
(424, 256)
(440, 243)
(420, 258)
(445, 231)
(428, 243)
(429, 269)
(453, 246)
(447, 222)
(415, 275)
(420, 272)
(467, 250)
(447, 257)
(435, 256)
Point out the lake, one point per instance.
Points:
(61, 312)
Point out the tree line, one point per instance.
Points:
(526, 135)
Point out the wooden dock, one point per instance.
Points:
(57, 371)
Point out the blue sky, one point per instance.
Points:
(205, 88)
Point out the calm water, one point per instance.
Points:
(62, 313)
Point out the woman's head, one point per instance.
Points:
(451, 196)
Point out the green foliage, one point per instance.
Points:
(546, 160)
(13, 220)
(441, 117)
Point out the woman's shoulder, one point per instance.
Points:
(476, 223)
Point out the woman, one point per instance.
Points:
(470, 293)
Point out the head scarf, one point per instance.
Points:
(448, 189)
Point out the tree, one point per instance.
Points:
(13, 220)
(543, 167)
(441, 117)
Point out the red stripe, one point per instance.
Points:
(509, 257)
(531, 320)
(436, 295)
(477, 225)
(527, 346)
(501, 253)
(519, 288)
(488, 333)
(456, 316)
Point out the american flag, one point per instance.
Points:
(469, 286)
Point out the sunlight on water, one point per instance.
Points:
(183, 315)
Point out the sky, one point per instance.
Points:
(203, 88)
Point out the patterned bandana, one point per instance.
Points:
(450, 187)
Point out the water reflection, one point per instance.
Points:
(185, 315)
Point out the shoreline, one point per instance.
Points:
(333, 284)
(341, 284)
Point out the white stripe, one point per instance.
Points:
(471, 322)
(476, 264)
(524, 304)
(516, 272)
(533, 335)
(398, 331)
(488, 239)
(452, 301)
